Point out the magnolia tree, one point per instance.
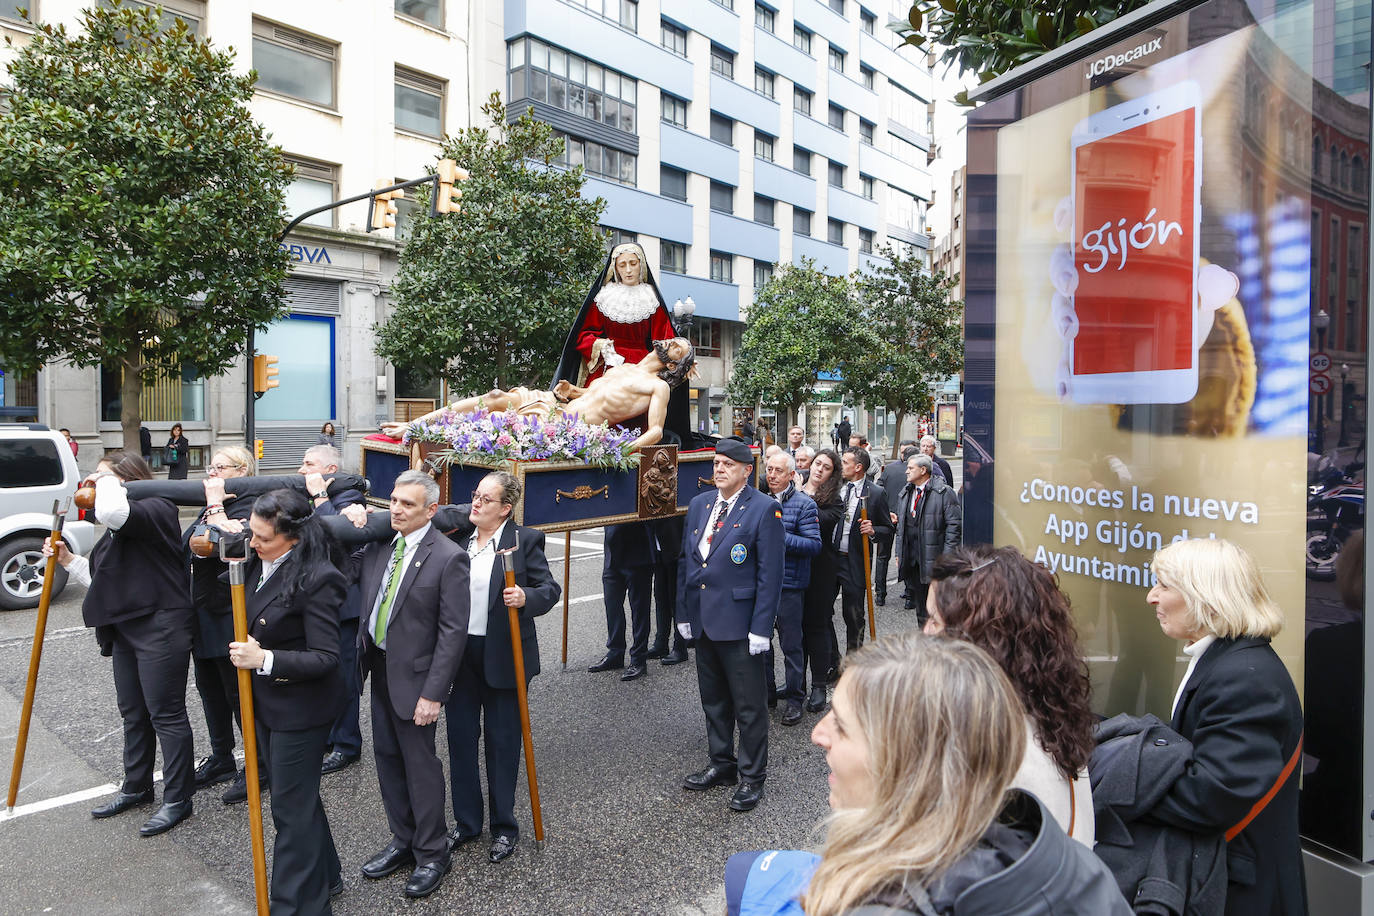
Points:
(142, 204)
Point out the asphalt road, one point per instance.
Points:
(621, 834)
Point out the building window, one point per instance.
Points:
(866, 76)
(908, 212)
(601, 161)
(801, 39)
(763, 272)
(672, 183)
(905, 107)
(674, 110)
(722, 62)
(763, 210)
(836, 59)
(722, 197)
(763, 146)
(672, 257)
(10, 9)
(866, 186)
(801, 160)
(801, 100)
(573, 84)
(427, 11)
(294, 63)
(801, 221)
(835, 174)
(764, 83)
(837, 6)
(722, 129)
(616, 237)
(728, 4)
(834, 232)
(672, 37)
(867, 21)
(705, 336)
(836, 117)
(765, 18)
(866, 241)
(624, 12)
(419, 103)
(865, 131)
(191, 12)
(314, 186)
(722, 267)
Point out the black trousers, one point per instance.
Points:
(616, 583)
(733, 694)
(665, 606)
(882, 558)
(789, 627)
(304, 860)
(853, 600)
(409, 773)
(476, 703)
(218, 685)
(345, 736)
(818, 628)
(151, 658)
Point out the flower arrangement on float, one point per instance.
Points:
(492, 437)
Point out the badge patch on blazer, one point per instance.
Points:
(738, 553)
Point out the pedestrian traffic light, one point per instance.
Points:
(264, 374)
(257, 449)
(383, 215)
(447, 198)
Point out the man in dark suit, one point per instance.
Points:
(345, 737)
(628, 570)
(939, 466)
(730, 580)
(892, 478)
(416, 591)
(858, 491)
(843, 432)
(667, 540)
(929, 522)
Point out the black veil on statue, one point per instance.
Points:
(677, 426)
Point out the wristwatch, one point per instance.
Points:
(323, 494)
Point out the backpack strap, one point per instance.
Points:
(1268, 796)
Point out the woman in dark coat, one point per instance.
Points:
(1238, 707)
(176, 454)
(294, 590)
(819, 642)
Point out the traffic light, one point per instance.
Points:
(383, 215)
(264, 374)
(257, 449)
(447, 198)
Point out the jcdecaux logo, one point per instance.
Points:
(1112, 61)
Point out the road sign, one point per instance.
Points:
(1319, 384)
(1319, 362)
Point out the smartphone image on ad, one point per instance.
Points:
(1136, 208)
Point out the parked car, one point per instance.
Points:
(36, 468)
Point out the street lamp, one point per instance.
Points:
(1346, 389)
(684, 312)
(1321, 323)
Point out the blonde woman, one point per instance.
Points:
(1238, 707)
(923, 739)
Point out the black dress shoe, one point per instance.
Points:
(710, 777)
(880, 600)
(816, 701)
(746, 797)
(425, 879)
(657, 651)
(457, 837)
(676, 657)
(908, 605)
(503, 847)
(634, 671)
(337, 760)
(611, 662)
(166, 817)
(238, 792)
(212, 770)
(792, 714)
(387, 861)
(121, 803)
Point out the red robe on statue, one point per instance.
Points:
(632, 340)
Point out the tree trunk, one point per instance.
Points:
(502, 357)
(130, 394)
(897, 435)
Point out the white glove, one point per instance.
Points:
(758, 644)
(685, 629)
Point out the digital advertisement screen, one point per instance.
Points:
(1166, 297)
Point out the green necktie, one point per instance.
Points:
(379, 634)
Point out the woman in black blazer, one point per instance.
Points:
(294, 590)
(818, 611)
(177, 447)
(485, 685)
(1238, 707)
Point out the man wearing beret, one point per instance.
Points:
(730, 580)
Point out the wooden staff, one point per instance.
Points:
(567, 565)
(868, 571)
(59, 514)
(508, 562)
(250, 734)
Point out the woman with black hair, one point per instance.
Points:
(294, 590)
(176, 454)
(819, 643)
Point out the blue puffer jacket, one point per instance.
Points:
(801, 529)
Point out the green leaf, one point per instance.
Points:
(915, 40)
(914, 17)
(1084, 24)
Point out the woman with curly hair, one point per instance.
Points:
(1013, 609)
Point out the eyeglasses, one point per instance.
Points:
(221, 468)
(479, 500)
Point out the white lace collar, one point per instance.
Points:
(627, 304)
